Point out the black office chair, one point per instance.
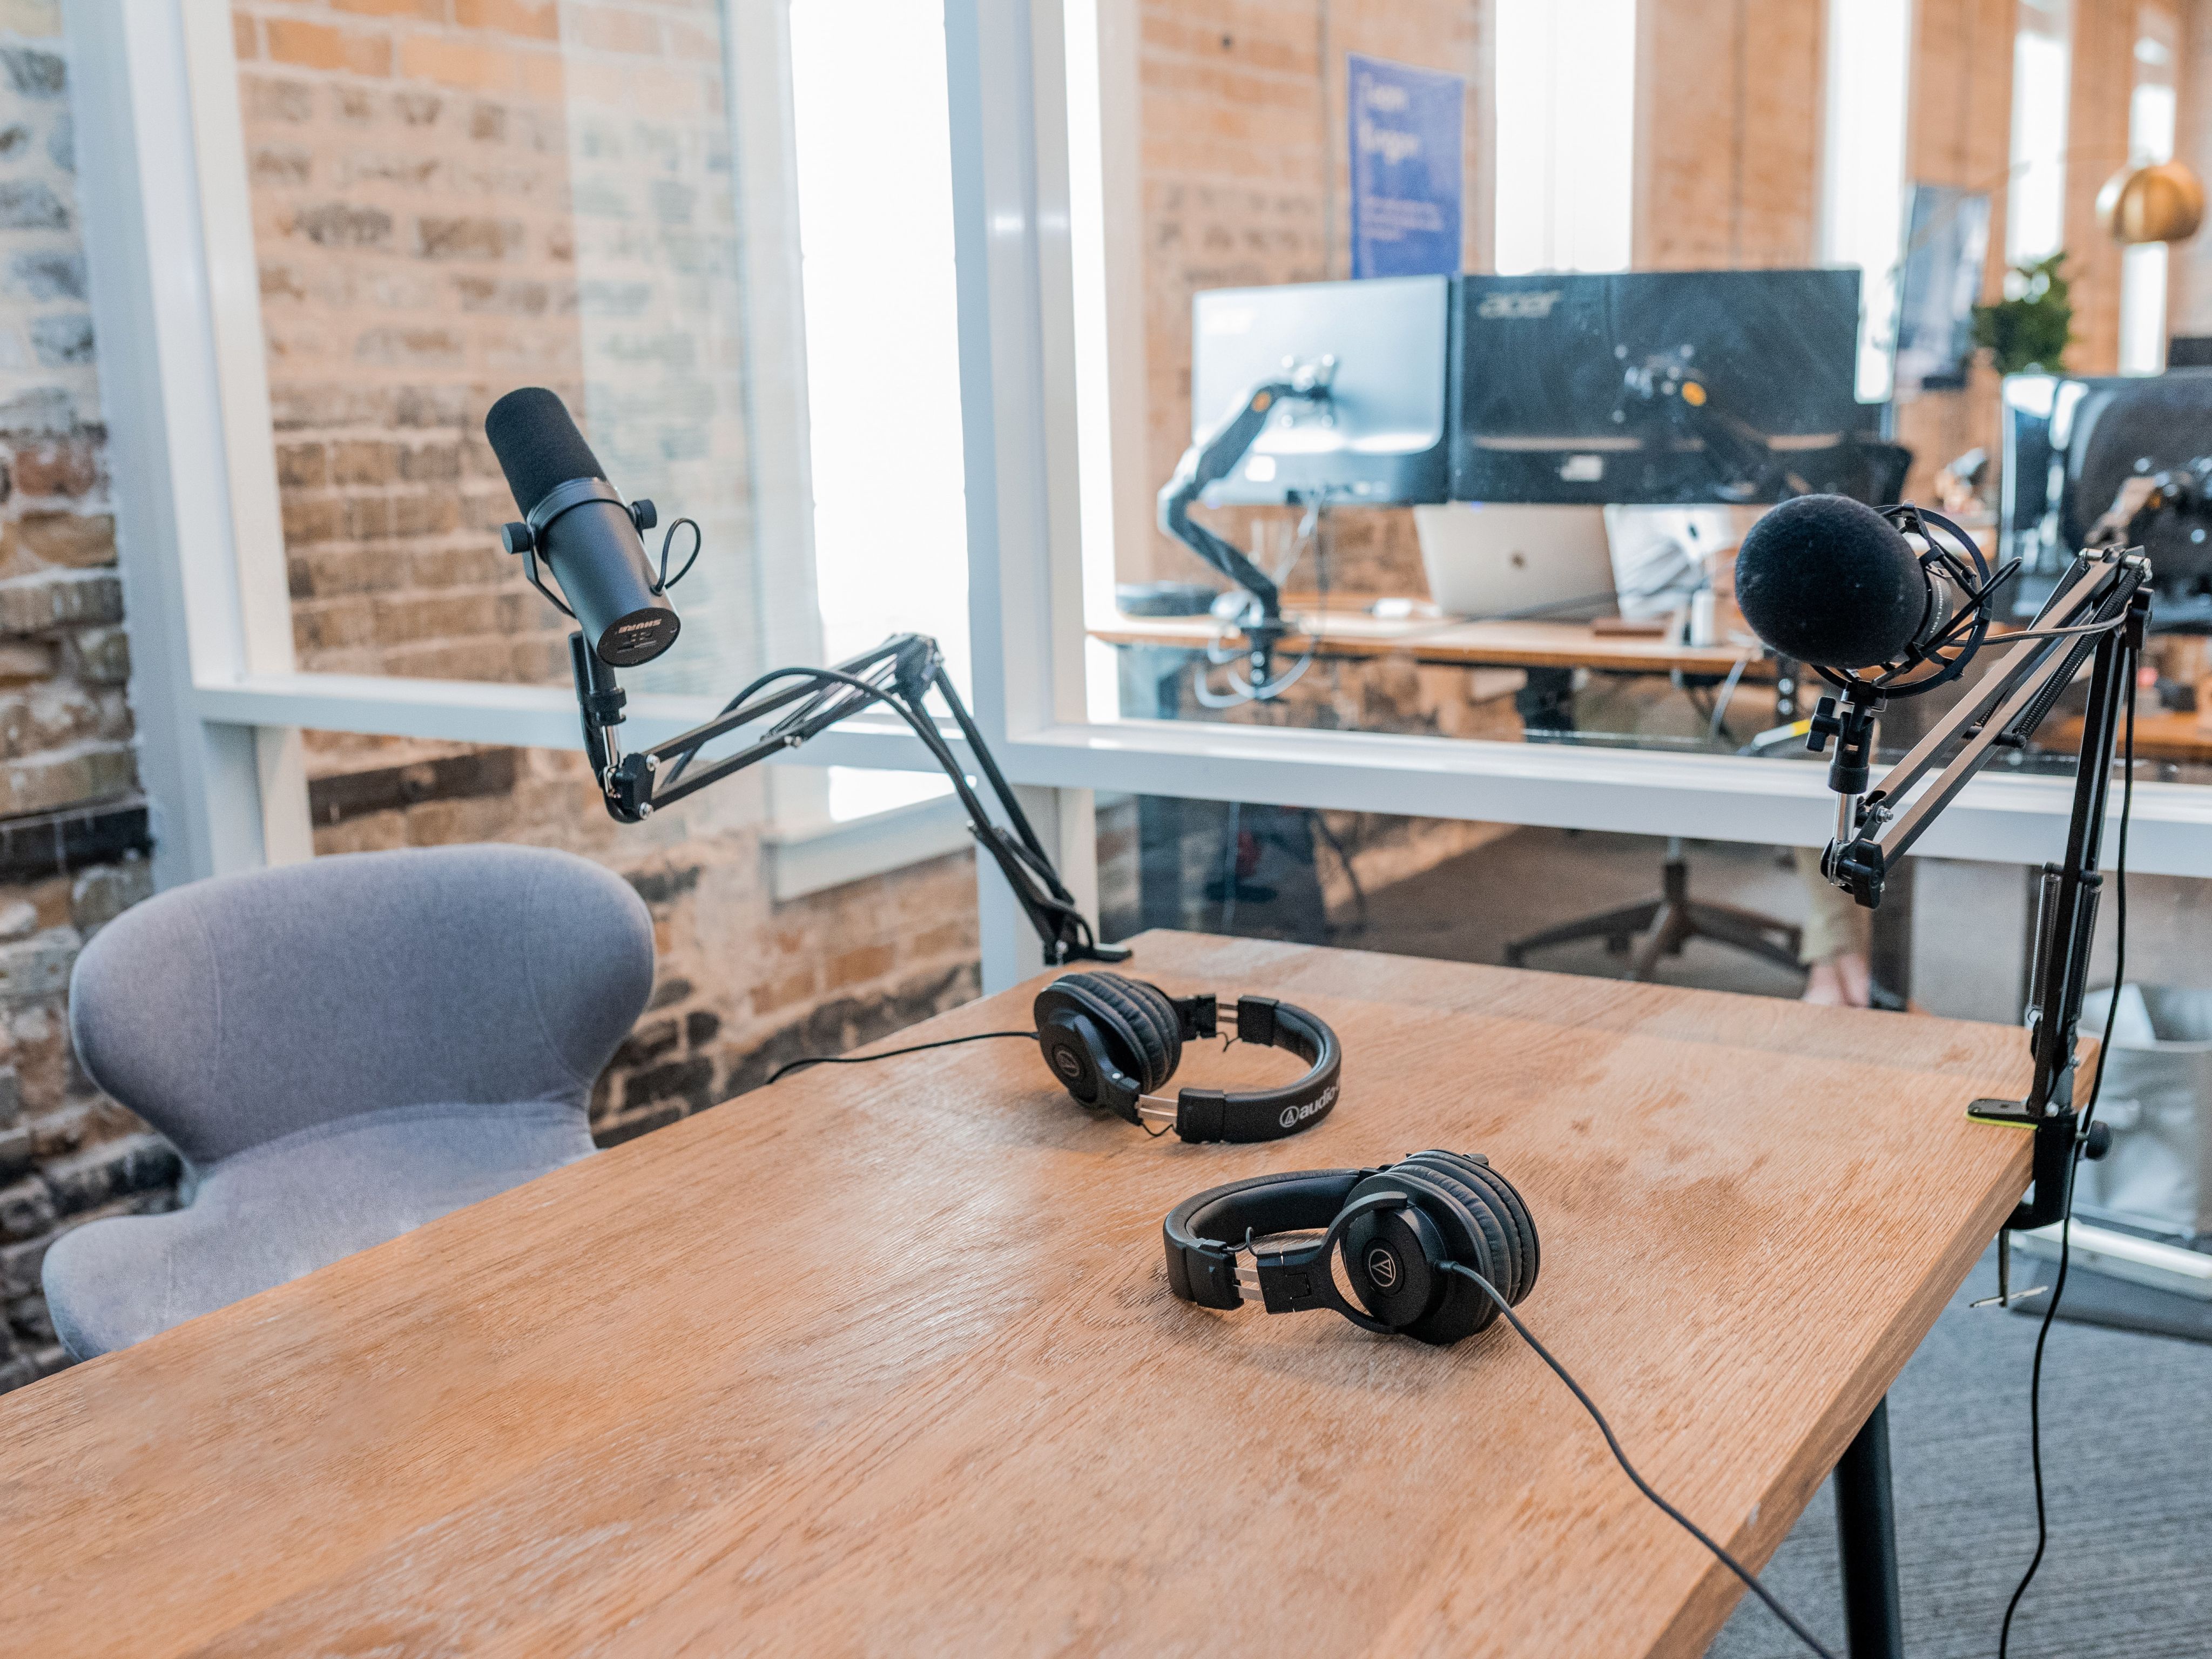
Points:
(1661, 926)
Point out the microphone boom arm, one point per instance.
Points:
(2106, 598)
(899, 674)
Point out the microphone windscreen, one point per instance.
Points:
(1826, 580)
(538, 444)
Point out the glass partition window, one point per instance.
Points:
(442, 214)
(2150, 138)
(1870, 78)
(774, 256)
(883, 348)
(2035, 207)
(1566, 72)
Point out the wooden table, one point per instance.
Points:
(1512, 644)
(2164, 734)
(882, 1360)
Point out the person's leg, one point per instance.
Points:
(1834, 951)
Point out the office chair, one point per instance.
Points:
(342, 1050)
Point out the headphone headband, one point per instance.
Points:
(1205, 1231)
(1266, 1113)
(1398, 1231)
(1113, 1042)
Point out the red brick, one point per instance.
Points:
(537, 19)
(318, 46)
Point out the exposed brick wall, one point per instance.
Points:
(73, 834)
(450, 198)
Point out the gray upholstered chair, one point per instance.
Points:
(342, 1050)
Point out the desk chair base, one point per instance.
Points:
(1661, 927)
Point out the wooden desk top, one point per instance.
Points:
(2161, 734)
(883, 1361)
(1526, 644)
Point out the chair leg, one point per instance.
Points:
(1670, 929)
(1748, 931)
(1661, 927)
(1611, 925)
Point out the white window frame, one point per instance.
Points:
(221, 701)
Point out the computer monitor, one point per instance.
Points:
(1378, 439)
(2070, 441)
(1661, 387)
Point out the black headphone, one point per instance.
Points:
(1115, 1043)
(1401, 1228)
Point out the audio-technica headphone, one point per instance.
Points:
(1115, 1042)
(1409, 1233)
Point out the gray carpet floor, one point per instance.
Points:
(2127, 1448)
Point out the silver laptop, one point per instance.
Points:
(1500, 559)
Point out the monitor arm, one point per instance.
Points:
(2107, 594)
(1213, 458)
(2184, 490)
(899, 673)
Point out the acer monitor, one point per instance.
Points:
(1669, 388)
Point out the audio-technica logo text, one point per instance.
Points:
(1523, 303)
(1293, 1115)
(1382, 1268)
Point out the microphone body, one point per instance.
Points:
(1828, 581)
(578, 522)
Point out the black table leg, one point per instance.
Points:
(1866, 1525)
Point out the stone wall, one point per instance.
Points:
(73, 828)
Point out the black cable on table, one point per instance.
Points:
(2074, 1165)
(1750, 1578)
(911, 1048)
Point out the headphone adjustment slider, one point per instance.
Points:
(1200, 1016)
(1289, 1287)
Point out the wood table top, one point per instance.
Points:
(882, 1359)
(1507, 644)
(2165, 734)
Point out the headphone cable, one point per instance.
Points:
(2074, 1164)
(1750, 1579)
(912, 1048)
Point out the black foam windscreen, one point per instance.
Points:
(538, 444)
(1826, 580)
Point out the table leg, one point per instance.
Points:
(1866, 1525)
(1546, 703)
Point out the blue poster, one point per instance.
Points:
(1406, 168)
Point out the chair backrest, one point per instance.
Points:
(231, 1012)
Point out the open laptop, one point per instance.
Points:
(1503, 559)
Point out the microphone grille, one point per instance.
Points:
(1826, 580)
(538, 444)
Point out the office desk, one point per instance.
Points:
(2161, 734)
(1509, 644)
(883, 1359)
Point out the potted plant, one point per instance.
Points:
(2029, 329)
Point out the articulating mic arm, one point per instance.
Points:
(899, 673)
(2106, 597)
(1212, 459)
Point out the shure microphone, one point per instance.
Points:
(581, 527)
(1828, 580)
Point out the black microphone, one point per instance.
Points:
(1828, 580)
(581, 526)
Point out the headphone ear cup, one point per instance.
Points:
(1140, 1014)
(1497, 1194)
(1474, 1233)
